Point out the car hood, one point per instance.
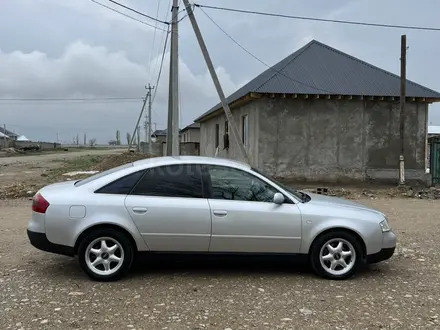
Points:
(318, 199)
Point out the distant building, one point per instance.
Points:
(159, 135)
(3, 136)
(433, 130)
(323, 115)
(9, 135)
(190, 133)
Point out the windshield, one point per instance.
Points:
(102, 174)
(294, 192)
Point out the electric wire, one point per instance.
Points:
(138, 12)
(258, 59)
(128, 16)
(409, 27)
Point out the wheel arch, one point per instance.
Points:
(350, 231)
(88, 230)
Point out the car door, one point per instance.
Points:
(169, 209)
(244, 216)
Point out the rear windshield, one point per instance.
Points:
(102, 174)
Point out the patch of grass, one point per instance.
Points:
(82, 163)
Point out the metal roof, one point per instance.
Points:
(159, 132)
(320, 69)
(193, 125)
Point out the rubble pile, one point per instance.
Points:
(11, 151)
(18, 190)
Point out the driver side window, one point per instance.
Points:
(233, 184)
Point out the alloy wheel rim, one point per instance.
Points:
(104, 256)
(337, 256)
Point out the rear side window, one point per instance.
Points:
(183, 180)
(121, 186)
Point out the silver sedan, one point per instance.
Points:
(203, 206)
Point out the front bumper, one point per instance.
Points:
(382, 255)
(389, 241)
(40, 241)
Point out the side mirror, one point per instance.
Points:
(278, 198)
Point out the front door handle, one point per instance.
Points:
(139, 210)
(220, 213)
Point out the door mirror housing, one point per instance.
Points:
(278, 198)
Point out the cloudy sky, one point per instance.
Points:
(78, 49)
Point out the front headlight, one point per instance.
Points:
(385, 226)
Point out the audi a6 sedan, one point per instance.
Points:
(202, 205)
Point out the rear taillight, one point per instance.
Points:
(39, 204)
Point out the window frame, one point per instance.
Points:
(209, 189)
(98, 191)
(202, 181)
(227, 127)
(245, 130)
(217, 135)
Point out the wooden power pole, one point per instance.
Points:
(173, 142)
(216, 81)
(402, 109)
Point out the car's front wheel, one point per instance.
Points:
(336, 255)
(105, 254)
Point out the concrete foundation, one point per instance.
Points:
(328, 140)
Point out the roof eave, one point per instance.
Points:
(252, 96)
(234, 104)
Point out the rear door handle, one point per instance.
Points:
(220, 213)
(139, 210)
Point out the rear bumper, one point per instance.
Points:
(40, 241)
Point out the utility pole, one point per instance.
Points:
(402, 109)
(138, 147)
(137, 123)
(215, 79)
(173, 96)
(148, 121)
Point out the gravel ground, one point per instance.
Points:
(44, 291)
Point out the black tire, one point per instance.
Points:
(320, 241)
(115, 236)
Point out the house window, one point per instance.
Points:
(244, 129)
(226, 127)
(217, 135)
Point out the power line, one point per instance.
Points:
(128, 16)
(154, 40)
(138, 12)
(161, 65)
(72, 99)
(409, 27)
(258, 59)
(161, 41)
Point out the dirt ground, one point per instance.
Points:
(22, 176)
(39, 290)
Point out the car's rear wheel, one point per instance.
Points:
(105, 254)
(336, 255)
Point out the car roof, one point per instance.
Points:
(169, 160)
